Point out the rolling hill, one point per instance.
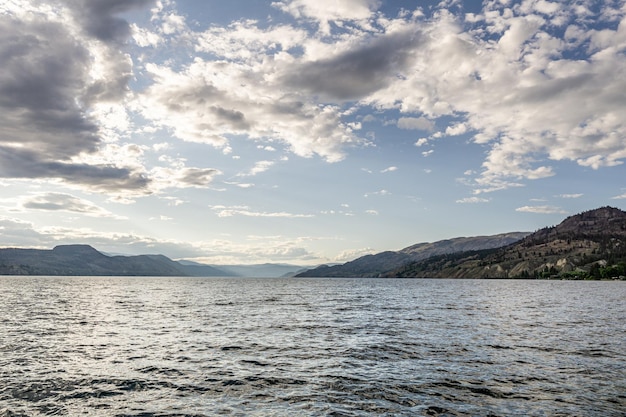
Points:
(380, 263)
(588, 245)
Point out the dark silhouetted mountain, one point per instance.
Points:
(380, 263)
(591, 244)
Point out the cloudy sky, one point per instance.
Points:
(304, 131)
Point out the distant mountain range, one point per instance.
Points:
(591, 244)
(381, 263)
(85, 260)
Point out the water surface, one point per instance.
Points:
(141, 347)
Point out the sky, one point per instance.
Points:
(304, 131)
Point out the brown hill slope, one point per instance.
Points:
(591, 244)
(376, 264)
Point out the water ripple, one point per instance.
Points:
(148, 347)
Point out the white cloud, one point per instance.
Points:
(528, 93)
(619, 197)
(541, 210)
(180, 176)
(326, 11)
(51, 201)
(377, 193)
(205, 102)
(241, 184)
(371, 212)
(472, 200)
(389, 169)
(226, 211)
(415, 123)
(25, 234)
(456, 130)
(144, 37)
(421, 142)
(513, 83)
(253, 249)
(578, 195)
(259, 167)
(352, 254)
(64, 79)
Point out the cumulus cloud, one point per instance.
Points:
(99, 17)
(259, 167)
(455, 130)
(205, 103)
(415, 123)
(327, 11)
(526, 92)
(21, 233)
(356, 70)
(541, 210)
(257, 249)
(577, 195)
(58, 61)
(352, 254)
(178, 176)
(63, 202)
(533, 82)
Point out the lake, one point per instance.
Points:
(144, 347)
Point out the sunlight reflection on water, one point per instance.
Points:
(205, 346)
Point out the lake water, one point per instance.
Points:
(144, 347)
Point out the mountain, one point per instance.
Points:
(83, 260)
(261, 270)
(196, 269)
(380, 263)
(591, 244)
(87, 261)
(255, 270)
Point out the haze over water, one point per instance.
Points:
(103, 346)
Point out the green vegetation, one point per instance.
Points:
(590, 245)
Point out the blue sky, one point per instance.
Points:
(305, 131)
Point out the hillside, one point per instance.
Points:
(83, 260)
(380, 263)
(591, 244)
(87, 261)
